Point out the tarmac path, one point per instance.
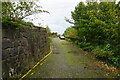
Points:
(68, 61)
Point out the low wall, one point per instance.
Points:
(21, 49)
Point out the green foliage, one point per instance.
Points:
(89, 48)
(30, 24)
(13, 13)
(70, 32)
(115, 60)
(48, 31)
(19, 10)
(96, 22)
(50, 39)
(67, 39)
(97, 25)
(85, 46)
(98, 52)
(11, 24)
(7, 23)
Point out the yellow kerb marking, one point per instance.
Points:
(36, 64)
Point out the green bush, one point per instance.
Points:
(115, 60)
(6, 23)
(105, 52)
(49, 39)
(67, 39)
(76, 42)
(107, 47)
(83, 44)
(89, 48)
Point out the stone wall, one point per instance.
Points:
(22, 49)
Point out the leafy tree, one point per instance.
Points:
(18, 10)
(48, 30)
(99, 25)
(13, 13)
(70, 32)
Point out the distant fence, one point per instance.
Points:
(21, 49)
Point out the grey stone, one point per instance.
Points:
(7, 44)
(16, 44)
(26, 35)
(13, 52)
(21, 50)
(24, 46)
(8, 33)
(18, 35)
(5, 54)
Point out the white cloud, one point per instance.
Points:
(56, 28)
(59, 9)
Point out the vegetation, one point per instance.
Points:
(13, 13)
(49, 34)
(97, 27)
(70, 32)
(48, 31)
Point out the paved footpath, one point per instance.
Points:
(67, 61)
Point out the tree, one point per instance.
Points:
(96, 21)
(70, 32)
(99, 25)
(48, 31)
(18, 10)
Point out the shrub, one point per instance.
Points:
(89, 48)
(49, 39)
(107, 47)
(115, 60)
(76, 42)
(83, 44)
(6, 23)
(99, 52)
(67, 39)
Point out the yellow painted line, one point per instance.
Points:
(40, 65)
(36, 64)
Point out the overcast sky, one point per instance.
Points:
(59, 9)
